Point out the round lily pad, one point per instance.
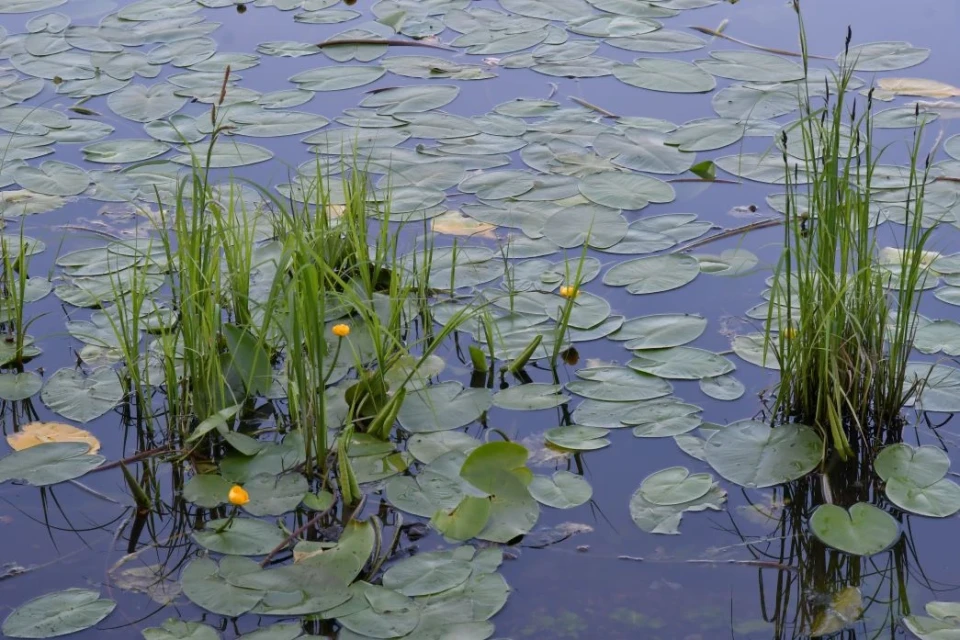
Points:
(863, 530)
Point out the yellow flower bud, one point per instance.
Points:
(238, 495)
(789, 333)
(568, 291)
(341, 330)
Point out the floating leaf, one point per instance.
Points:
(661, 74)
(883, 56)
(442, 407)
(57, 614)
(654, 518)
(618, 384)
(427, 574)
(752, 454)
(675, 486)
(578, 438)
(20, 386)
(751, 66)
(681, 363)
(661, 330)
(563, 490)
(863, 530)
(654, 274)
(146, 104)
(82, 398)
(242, 537)
(49, 463)
(530, 397)
(174, 629)
(37, 433)
(724, 387)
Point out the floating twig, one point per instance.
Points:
(728, 233)
(296, 533)
(590, 105)
(143, 455)
(718, 34)
(390, 42)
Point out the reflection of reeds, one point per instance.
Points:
(839, 321)
(797, 600)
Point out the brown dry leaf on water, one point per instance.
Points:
(918, 87)
(454, 223)
(44, 432)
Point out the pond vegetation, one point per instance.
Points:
(324, 385)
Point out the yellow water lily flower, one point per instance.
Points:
(341, 330)
(568, 291)
(790, 333)
(238, 495)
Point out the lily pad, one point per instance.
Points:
(563, 490)
(82, 398)
(752, 454)
(241, 537)
(57, 614)
(674, 486)
(49, 463)
(863, 530)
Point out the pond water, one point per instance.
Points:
(744, 568)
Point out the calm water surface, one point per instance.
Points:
(586, 586)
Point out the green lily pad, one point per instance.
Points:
(660, 519)
(563, 490)
(242, 537)
(530, 397)
(674, 486)
(427, 574)
(174, 629)
(943, 622)
(863, 530)
(681, 363)
(57, 614)
(653, 274)
(49, 463)
(618, 384)
(275, 495)
(883, 56)
(661, 74)
(82, 398)
(752, 454)
(442, 407)
(661, 331)
(206, 490)
(578, 438)
(723, 387)
(19, 386)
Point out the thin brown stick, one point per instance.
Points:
(719, 34)
(296, 533)
(390, 42)
(728, 233)
(149, 453)
(715, 180)
(590, 105)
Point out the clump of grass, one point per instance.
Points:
(280, 298)
(841, 320)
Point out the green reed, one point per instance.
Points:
(840, 322)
